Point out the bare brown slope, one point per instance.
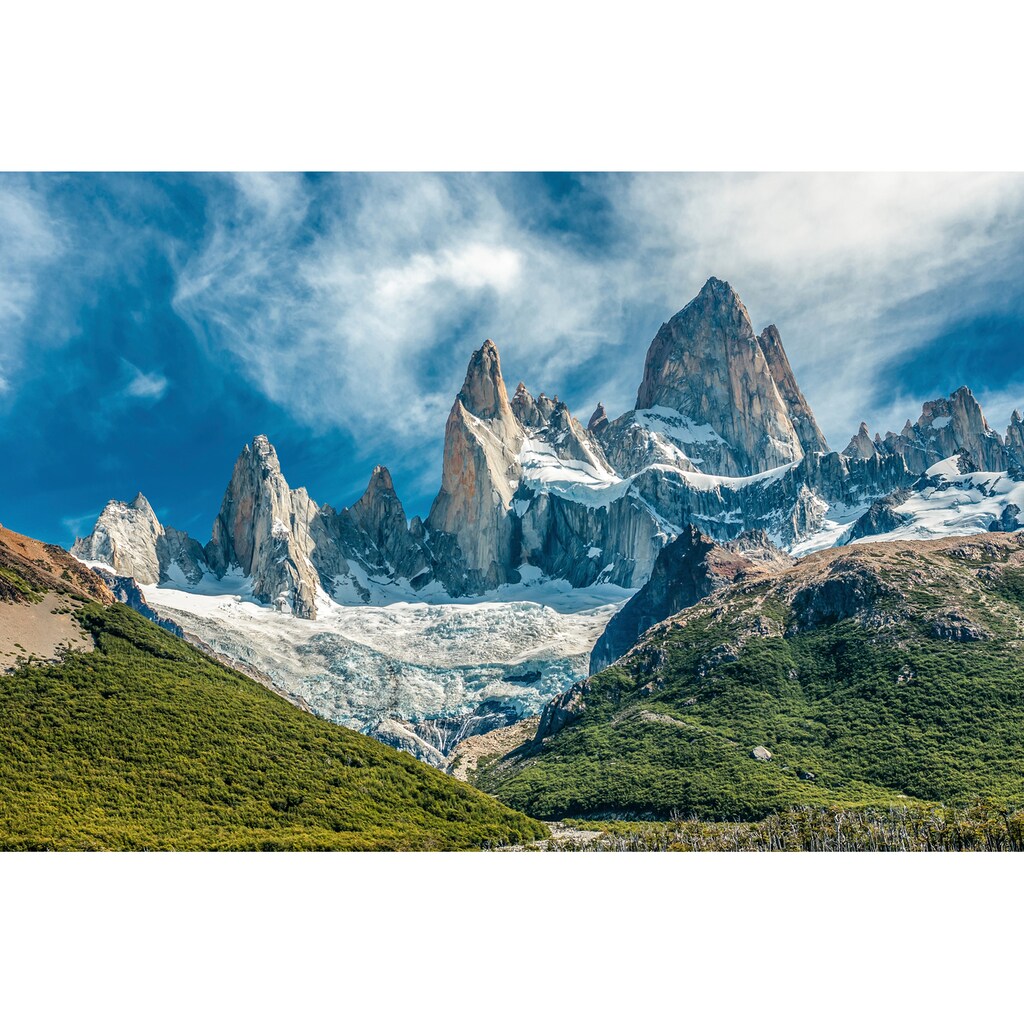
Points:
(42, 567)
(40, 584)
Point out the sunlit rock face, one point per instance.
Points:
(708, 364)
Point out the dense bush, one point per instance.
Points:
(853, 715)
(146, 744)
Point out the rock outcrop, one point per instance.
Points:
(944, 427)
(125, 537)
(881, 517)
(811, 437)
(861, 445)
(129, 538)
(389, 545)
(687, 570)
(1015, 443)
(126, 591)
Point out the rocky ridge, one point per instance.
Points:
(688, 569)
(721, 438)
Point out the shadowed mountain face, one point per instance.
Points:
(687, 570)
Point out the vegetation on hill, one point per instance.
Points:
(877, 675)
(910, 828)
(147, 744)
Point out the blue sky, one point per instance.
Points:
(151, 324)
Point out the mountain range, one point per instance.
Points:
(546, 533)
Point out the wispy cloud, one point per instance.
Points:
(80, 525)
(358, 307)
(145, 386)
(369, 323)
(29, 243)
(853, 269)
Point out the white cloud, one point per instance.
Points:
(346, 330)
(80, 525)
(343, 322)
(146, 386)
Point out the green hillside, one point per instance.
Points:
(147, 744)
(874, 675)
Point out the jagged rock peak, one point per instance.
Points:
(598, 420)
(811, 437)
(263, 454)
(379, 493)
(861, 445)
(483, 393)
(479, 474)
(125, 537)
(380, 480)
(707, 364)
(546, 406)
(139, 502)
(945, 426)
(961, 405)
(524, 408)
(263, 527)
(1015, 442)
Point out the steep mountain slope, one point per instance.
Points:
(689, 569)
(874, 673)
(145, 743)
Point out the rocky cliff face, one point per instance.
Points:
(861, 445)
(945, 426)
(471, 532)
(1015, 443)
(811, 437)
(388, 544)
(128, 537)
